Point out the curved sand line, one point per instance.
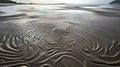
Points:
(60, 40)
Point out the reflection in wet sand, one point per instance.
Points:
(59, 36)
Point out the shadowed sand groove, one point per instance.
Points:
(84, 37)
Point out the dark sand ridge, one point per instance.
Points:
(1, 12)
(61, 40)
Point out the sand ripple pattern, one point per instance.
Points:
(60, 40)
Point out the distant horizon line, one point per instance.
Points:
(51, 3)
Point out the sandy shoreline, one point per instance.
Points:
(59, 36)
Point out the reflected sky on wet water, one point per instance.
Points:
(68, 1)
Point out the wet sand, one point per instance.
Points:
(59, 36)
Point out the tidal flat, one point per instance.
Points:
(59, 35)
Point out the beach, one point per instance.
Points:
(60, 35)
